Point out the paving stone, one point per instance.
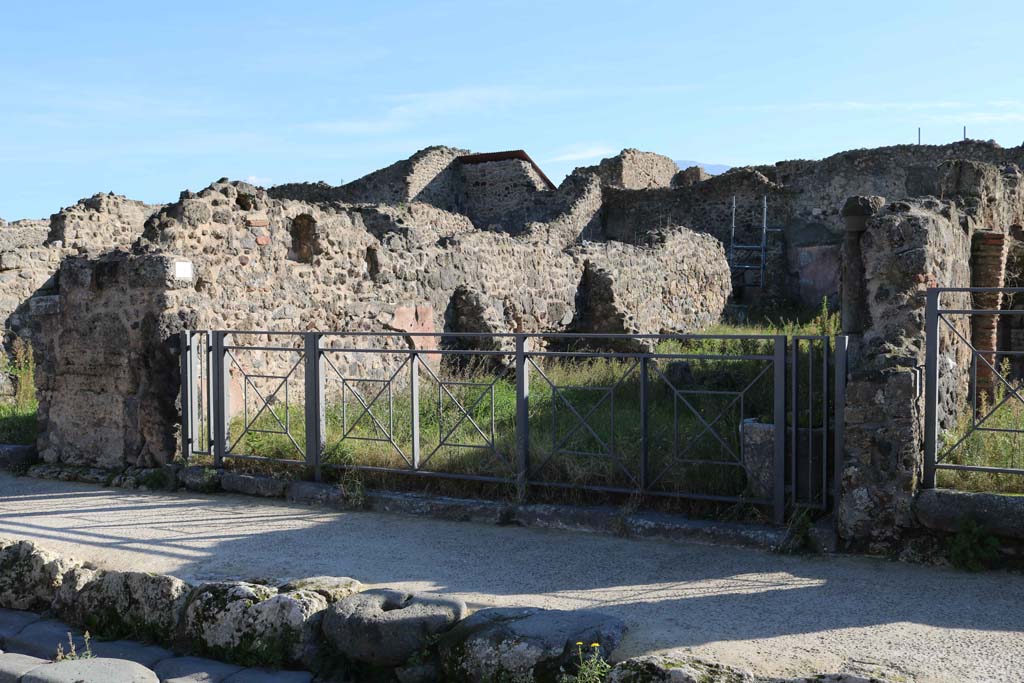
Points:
(194, 670)
(133, 651)
(40, 639)
(98, 669)
(14, 666)
(269, 676)
(252, 485)
(14, 620)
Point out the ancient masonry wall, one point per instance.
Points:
(895, 252)
(497, 193)
(107, 357)
(406, 269)
(805, 198)
(31, 252)
(626, 246)
(632, 169)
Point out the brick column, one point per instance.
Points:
(988, 269)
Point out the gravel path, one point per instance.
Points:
(773, 614)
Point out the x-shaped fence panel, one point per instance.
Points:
(620, 422)
(982, 405)
(267, 402)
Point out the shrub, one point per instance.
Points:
(591, 667)
(973, 548)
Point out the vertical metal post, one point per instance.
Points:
(314, 403)
(839, 432)
(931, 385)
(732, 234)
(794, 402)
(188, 424)
(221, 389)
(779, 469)
(644, 444)
(826, 352)
(414, 402)
(522, 416)
(764, 239)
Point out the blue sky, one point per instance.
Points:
(147, 99)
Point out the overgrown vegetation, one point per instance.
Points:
(999, 442)
(584, 420)
(591, 666)
(18, 415)
(72, 651)
(972, 547)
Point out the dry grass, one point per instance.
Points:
(18, 415)
(987, 448)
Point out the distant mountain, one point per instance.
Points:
(713, 169)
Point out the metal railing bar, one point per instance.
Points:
(1001, 430)
(980, 290)
(422, 352)
(683, 336)
(652, 492)
(285, 349)
(420, 473)
(543, 335)
(264, 458)
(980, 311)
(978, 468)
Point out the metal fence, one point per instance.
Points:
(727, 418)
(974, 399)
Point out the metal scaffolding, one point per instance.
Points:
(738, 266)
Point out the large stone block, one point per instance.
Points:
(386, 627)
(29, 575)
(947, 510)
(123, 604)
(253, 625)
(527, 643)
(95, 669)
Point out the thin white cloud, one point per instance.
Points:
(405, 111)
(258, 180)
(1008, 112)
(855, 105)
(583, 153)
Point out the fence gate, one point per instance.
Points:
(754, 419)
(974, 400)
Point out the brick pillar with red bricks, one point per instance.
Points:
(988, 269)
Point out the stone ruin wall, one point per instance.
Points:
(806, 199)
(894, 251)
(394, 251)
(31, 252)
(404, 268)
(635, 170)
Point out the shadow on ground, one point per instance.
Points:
(766, 611)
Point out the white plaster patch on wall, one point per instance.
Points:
(183, 270)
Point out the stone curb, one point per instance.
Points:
(245, 619)
(589, 519)
(946, 509)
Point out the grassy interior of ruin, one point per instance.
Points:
(584, 424)
(18, 423)
(585, 433)
(988, 435)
